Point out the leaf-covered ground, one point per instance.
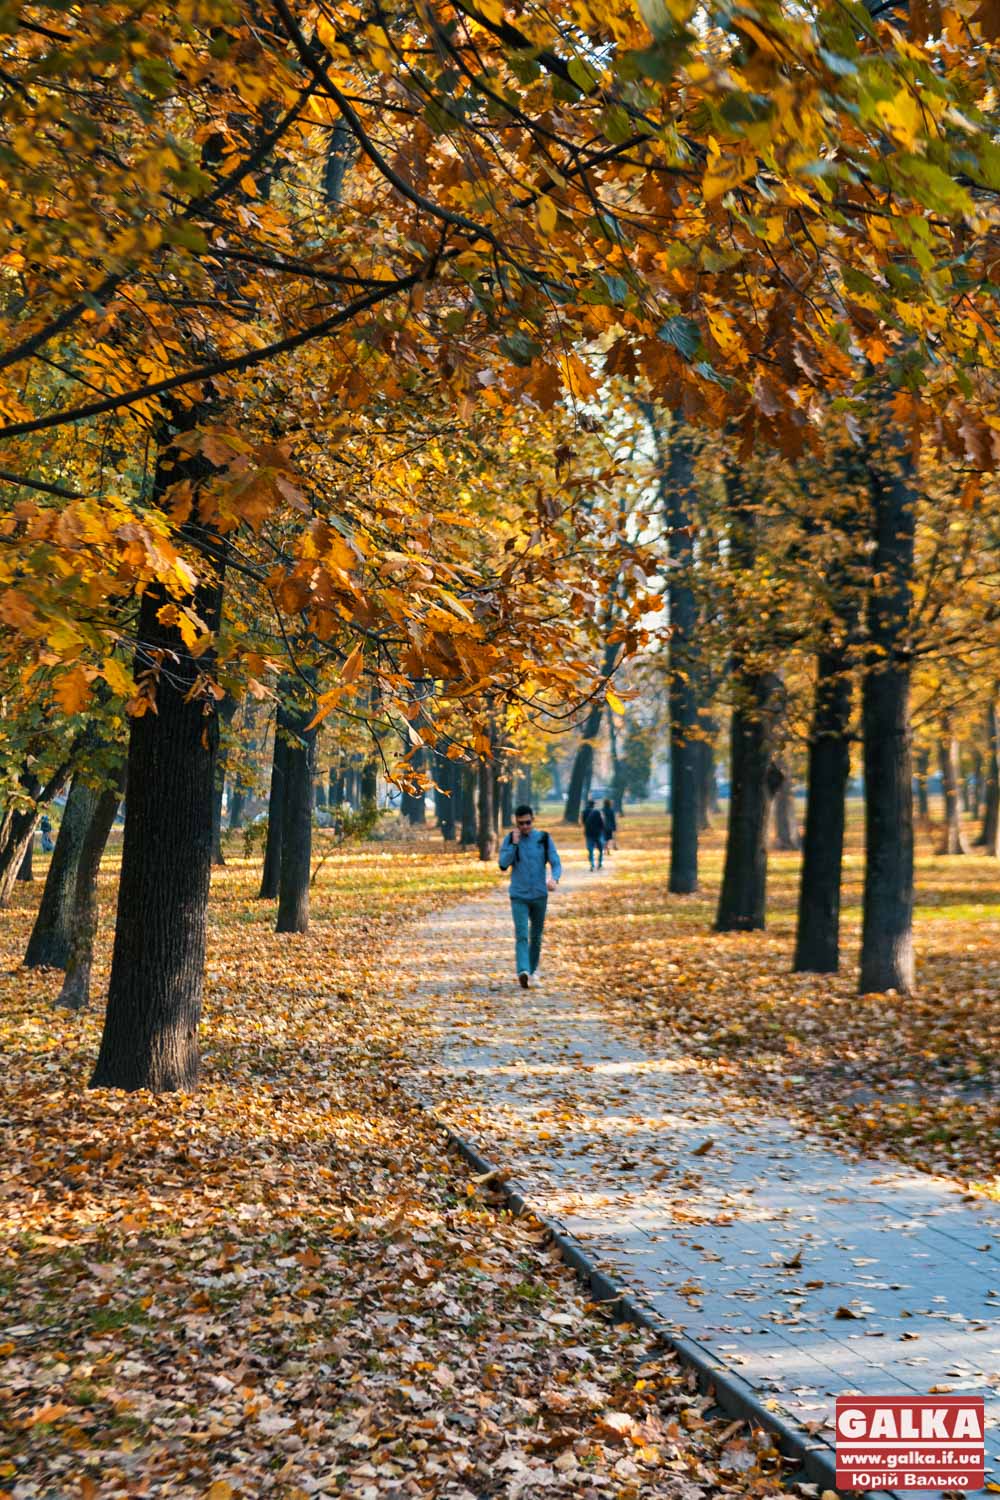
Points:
(914, 1077)
(283, 1285)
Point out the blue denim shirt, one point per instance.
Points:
(527, 882)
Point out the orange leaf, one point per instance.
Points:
(72, 690)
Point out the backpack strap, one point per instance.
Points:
(547, 859)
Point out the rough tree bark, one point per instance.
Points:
(26, 869)
(75, 992)
(817, 938)
(887, 922)
(297, 820)
(758, 701)
(742, 899)
(677, 492)
(48, 945)
(150, 1037)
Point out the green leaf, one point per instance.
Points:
(582, 75)
(682, 333)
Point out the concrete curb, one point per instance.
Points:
(734, 1395)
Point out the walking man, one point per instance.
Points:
(526, 852)
(593, 832)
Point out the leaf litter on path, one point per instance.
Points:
(283, 1285)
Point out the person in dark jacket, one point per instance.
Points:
(594, 832)
(610, 824)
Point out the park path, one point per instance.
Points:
(805, 1270)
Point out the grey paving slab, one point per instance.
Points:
(807, 1269)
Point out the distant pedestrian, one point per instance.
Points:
(594, 832)
(610, 824)
(45, 828)
(526, 851)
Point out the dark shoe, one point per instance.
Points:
(522, 979)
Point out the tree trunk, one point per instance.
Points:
(887, 927)
(227, 708)
(708, 795)
(817, 938)
(758, 700)
(677, 491)
(237, 807)
(150, 1037)
(218, 791)
(583, 767)
(506, 808)
(974, 785)
(744, 881)
(445, 792)
(468, 775)
(271, 875)
(552, 765)
(75, 992)
(485, 836)
(414, 805)
(369, 783)
(923, 762)
(319, 793)
(989, 838)
(26, 869)
(48, 946)
(786, 825)
(583, 762)
(17, 827)
(953, 841)
(297, 820)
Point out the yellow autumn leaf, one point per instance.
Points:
(614, 702)
(117, 678)
(901, 115)
(547, 213)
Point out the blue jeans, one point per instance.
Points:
(529, 924)
(595, 846)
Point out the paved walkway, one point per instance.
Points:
(807, 1271)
